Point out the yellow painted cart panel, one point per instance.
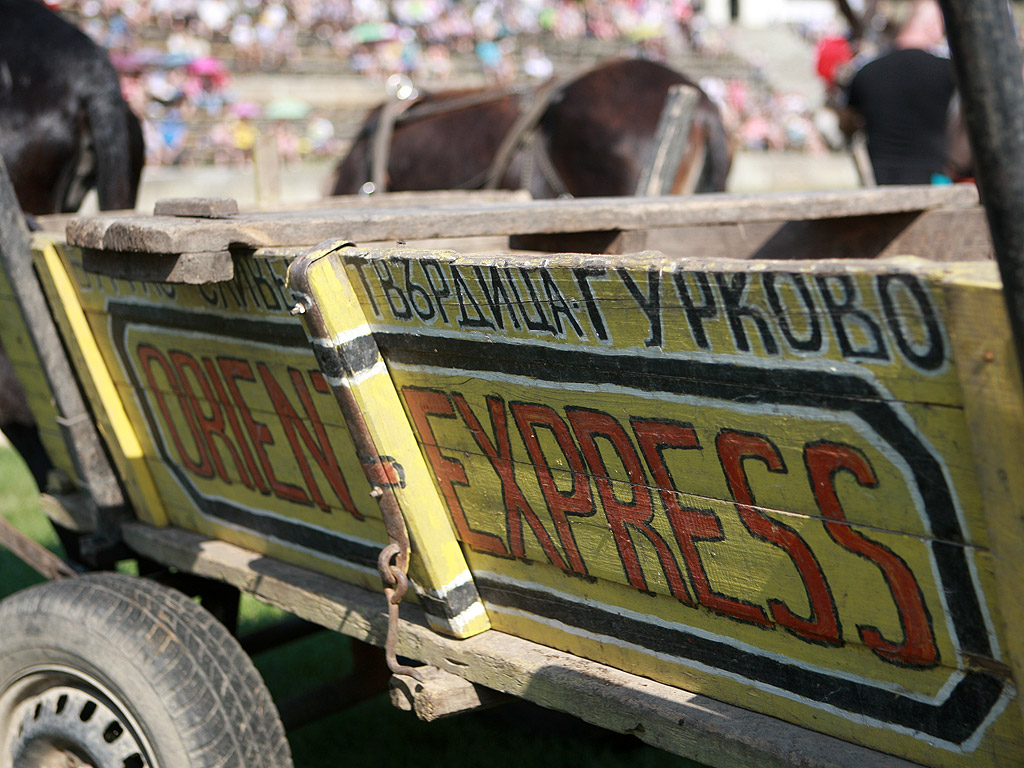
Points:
(755, 480)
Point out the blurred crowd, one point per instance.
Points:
(177, 58)
(411, 36)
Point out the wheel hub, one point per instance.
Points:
(55, 723)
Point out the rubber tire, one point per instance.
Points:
(190, 689)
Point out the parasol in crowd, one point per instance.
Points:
(287, 109)
(246, 109)
(372, 32)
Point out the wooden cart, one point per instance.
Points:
(751, 504)
(733, 474)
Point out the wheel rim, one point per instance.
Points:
(62, 717)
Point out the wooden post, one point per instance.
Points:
(670, 141)
(988, 65)
(79, 430)
(35, 555)
(861, 160)
(441, 694)
(267, 164)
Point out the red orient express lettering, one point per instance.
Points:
(624, 516)
(246, 466)
(689, 525)
(260, 433)
(149, 355)
(185, 364)
(424, 403)
(577, 500)
(318, 447)
(209, 413)
(824, 461)
(499, 453)
(822, 626)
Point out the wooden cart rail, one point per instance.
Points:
(220, 407)
(675, 720)
(865, 223)
(870, 590)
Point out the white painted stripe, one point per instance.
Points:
(969, 746)
(939, 697)
(444, 590)
(348, 382)
(342, 338)
(458, 624)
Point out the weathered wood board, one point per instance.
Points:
(679, 721)
(782, 484)
(875, 218)
(17, 345)
(221, 422)
(750, 479)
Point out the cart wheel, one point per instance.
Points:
(111, 671)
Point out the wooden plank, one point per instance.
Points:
(441, 694)
(661, 463)
(951, 234)
(73, 511)
(384, 439)
(189, 268)
(945, 235)
(108, 414)
(994, 405)
(671, 139)
(84, 447)
(33, 554)
(935, 235)
(171, 235)
(678, 721)
(199, 207)
(612, 241)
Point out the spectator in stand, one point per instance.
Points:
(243, 140)
(902, 101)
(243, 39)
(194, 116)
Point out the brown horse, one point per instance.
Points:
(592, 139)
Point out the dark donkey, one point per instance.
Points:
(64, 128)
(591, 136)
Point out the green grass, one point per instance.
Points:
(374, 732)
(19, 503)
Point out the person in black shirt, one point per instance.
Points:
(902, 101)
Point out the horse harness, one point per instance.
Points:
(521, 135)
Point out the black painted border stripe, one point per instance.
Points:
(454, 602)
(259, 331)
(289, 531)
(740, 384)
(791, 387)
(355, 356)
(972, 698)
(954, 720)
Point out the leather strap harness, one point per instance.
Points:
(520, 136)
